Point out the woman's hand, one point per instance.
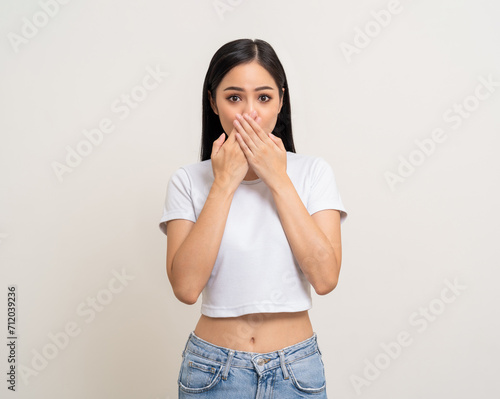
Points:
(264, 152)
(229, 163)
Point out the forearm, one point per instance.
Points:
(310, 246)
(194, 261)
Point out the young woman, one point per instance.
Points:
(251, 227)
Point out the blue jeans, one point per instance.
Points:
(211, 371)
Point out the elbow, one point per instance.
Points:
(183, 290)
(328, 279)
(327, 285)
(326, 288)
(189, 298)
(188, 301)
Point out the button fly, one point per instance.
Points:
(261, 362)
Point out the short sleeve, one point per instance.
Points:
(178, 202)
(324, 192)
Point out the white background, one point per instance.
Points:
(63, 238)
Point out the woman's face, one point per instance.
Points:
(245, 88)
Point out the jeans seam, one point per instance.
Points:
(302, 357)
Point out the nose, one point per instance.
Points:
(249, 107)
(248, 110)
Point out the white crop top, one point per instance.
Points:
(255, 270)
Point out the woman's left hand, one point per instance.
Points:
(265, 152)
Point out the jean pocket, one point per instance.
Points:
(308, 373)
(198, 374)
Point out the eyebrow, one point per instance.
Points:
(240, 89)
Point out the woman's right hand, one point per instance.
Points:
(229, 163)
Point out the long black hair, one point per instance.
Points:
(227, 57)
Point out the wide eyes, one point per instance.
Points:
(230, 98)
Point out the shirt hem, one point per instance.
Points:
(172, 216)
(322, 207)
(256, 308)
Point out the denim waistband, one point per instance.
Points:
(261, 362)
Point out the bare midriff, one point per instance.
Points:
(256, 332)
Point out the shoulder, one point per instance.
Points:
(195, 170)
(305, 164)
(296, 159)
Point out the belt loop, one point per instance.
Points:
(187, 342)
(228, 365)
(282, 361)
(317, 344)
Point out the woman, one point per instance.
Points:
(251, 227)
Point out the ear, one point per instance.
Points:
(281, 103)
(212, 103)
